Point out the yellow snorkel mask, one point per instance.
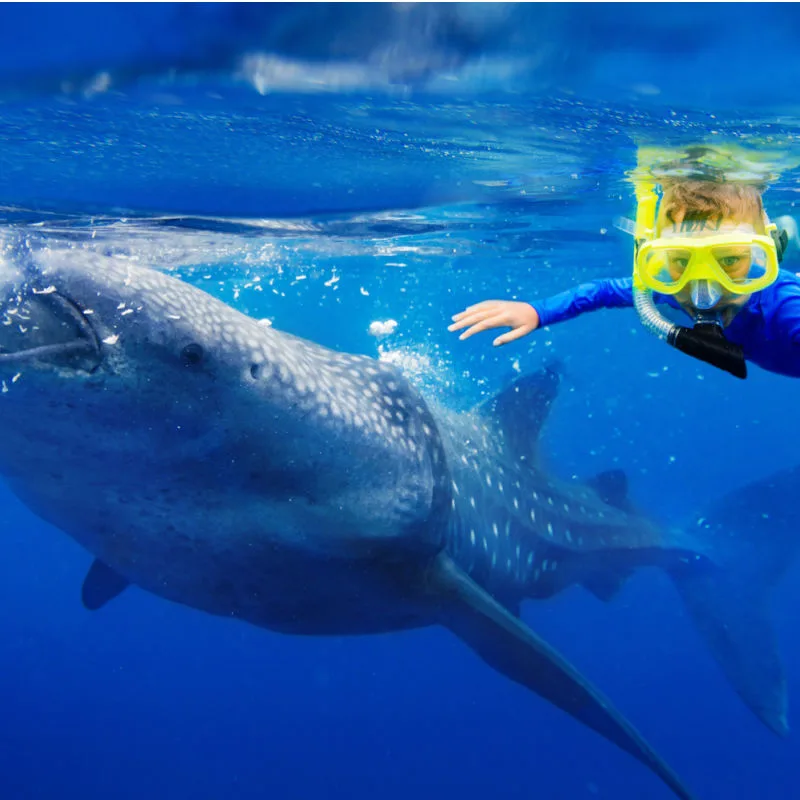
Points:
(705, 263)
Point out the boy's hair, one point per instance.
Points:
(699, 200)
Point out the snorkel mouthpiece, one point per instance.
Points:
(705, 341)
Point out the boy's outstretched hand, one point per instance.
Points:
(522, 318)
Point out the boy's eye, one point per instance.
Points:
(680, 262)
(734, 260)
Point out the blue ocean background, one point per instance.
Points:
(328, 167)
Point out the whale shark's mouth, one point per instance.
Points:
(46, 327)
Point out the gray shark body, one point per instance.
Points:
(245, 472)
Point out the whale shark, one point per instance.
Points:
(240, 470)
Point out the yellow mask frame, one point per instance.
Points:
(706, 260)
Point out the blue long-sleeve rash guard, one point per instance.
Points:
(767, 328)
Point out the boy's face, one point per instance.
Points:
(735, 260)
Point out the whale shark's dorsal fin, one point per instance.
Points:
(508, 645)
(101, 585)
(522, 408)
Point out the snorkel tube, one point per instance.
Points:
(706, 340)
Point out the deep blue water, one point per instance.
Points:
(375, 163)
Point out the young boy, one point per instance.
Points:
(710, 256)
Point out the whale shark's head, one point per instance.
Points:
(128, 380)
(101, 335)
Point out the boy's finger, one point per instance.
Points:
(517, 333)
(470, 319)
(483, 304)
(491, 322)
(470, 309)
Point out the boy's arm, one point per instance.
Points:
(603, 293)
(523, 318)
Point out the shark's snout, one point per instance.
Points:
(38, 324)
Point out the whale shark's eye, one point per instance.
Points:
(192, 355)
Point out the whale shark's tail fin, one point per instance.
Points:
(749, 538)
(733, 620)
(504, 642)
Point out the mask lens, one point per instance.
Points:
(735, 261)
(743, 264)
(667, 265)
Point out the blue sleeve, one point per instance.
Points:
(604, 293)
(781, 309)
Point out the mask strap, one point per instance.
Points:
(646, 210)
(781, 238)
(644, 227)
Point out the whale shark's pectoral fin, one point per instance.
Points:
(101, 585)
(511, 647)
